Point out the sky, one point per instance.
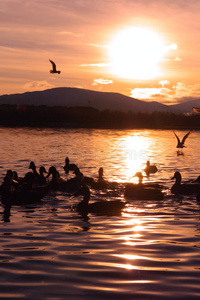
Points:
(145, 49)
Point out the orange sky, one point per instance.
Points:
(96, 46)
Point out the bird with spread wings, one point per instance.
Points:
(180, 144)
(54, 67)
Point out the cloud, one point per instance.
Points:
(173, 47)
(179, 92)
(99, 65)
(177, 59)
(98, 46)
(102, 81)
(150, 93)
(38, 86)
(164, 82)
(182, 90)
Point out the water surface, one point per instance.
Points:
(150, 251)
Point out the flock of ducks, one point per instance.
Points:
(35, 185)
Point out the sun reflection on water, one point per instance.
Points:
(135, 150)
(131, 257)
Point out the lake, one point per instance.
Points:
(150, 251)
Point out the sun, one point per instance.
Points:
(136, 52)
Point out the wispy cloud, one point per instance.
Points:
(99, 65)
(98, 46)
(102, 81)
(38, 85)
(177, 59)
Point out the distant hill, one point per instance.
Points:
(186, 106)
(72, 97)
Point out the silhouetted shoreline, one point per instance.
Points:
(88, 117)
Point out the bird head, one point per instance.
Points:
(32, 165)
(177, 175)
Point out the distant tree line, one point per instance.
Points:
(87, 117)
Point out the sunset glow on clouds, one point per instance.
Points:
(102, 81)
(171, 95)
(143, 49)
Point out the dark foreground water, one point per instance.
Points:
(150, 251)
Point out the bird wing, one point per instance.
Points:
(53, 65)
(196, 109)
(185, 137)
(177, 138)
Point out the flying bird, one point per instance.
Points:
(180, 144)
(54, 67)
(196, 109)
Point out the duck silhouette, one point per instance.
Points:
(150, 168)
(180, 144)
(42, 179)
(100, 183)
(10, 175)
(113, 207)
(184, 188)
(71, 185)
(140, 191)
(53, 67)
(32, 167)
(26, 194)
(69, 167)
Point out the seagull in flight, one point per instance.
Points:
(54, 67)
(180, 144)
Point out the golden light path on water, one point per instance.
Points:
(136, 148)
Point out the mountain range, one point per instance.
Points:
(72, 97)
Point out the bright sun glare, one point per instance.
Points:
(136, 52)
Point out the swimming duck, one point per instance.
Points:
(101, 183)
(184, 188)
(142, 191)
(26, 194)
(150, 168)
(89, 180)
(32, 166)
(69, 167)
(53, 67)
(103, 207)
(180, 144)
(10, 174)
(42, 178)
(64, 185)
